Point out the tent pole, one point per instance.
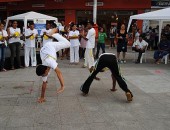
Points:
(6, 25)
(160, 29)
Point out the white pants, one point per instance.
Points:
(74, 54)
(89, 59)
(30, 51)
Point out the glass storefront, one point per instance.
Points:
(106, 17)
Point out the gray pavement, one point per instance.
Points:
(101, 110)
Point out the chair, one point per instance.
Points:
(143, 55)
(166, 57)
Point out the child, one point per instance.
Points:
(101, 42)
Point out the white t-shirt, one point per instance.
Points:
(74, 42)
(140, 44)
(3, 34)
(30, 42)
(45, 38)
(91, 38)
(137, 36)
(13, 32)
(61, 28)
(48, 51)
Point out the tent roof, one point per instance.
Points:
(162, 14)
(30, 16)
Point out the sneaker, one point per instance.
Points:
(123, 61)
(129, 96)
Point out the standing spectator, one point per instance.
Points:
(140, 46)
(163, 49)
(31, 35)
(74, 48)
(45, 34)
(14, 44)
(152, 39)
(61, 28)
(83, 42)
(137, 34)
(101, 42)
(90, 38)
(112, 36)
(122, 43)
(3, 38)
(156, 37)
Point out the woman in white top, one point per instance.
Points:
(31, 35)
(3, 38)
(74, 48)
(14, 44)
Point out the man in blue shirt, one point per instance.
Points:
(163, 49)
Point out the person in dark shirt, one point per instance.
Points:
(163, 49)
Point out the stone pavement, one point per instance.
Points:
(101, 110)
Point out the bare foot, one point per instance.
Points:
(113, 90)
(96, 78)
(41, 100)
(60, 90)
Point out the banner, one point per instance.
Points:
(39, 25)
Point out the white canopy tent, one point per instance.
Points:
(30, 16)
(159, 15)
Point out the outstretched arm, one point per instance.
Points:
(42, 99)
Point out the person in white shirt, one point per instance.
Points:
(3, 38)
(90, 38)
(74, 48)
(14, 44)
(30, 35)
(140, 46)
(48, 57)
(137, 34)
(45, 34)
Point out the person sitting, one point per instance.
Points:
(163, 49)
(140, 46)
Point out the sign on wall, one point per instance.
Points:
(164, 3)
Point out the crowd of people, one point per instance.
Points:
(80, 48)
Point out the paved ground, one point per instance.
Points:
(101, 110)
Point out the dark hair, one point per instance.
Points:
(53, 25)
(31, 23)
(91, 22)
(14, 21)
(40, 70)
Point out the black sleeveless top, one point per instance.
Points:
(124, 40)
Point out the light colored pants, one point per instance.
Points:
(30, 51)
(74, 54)
(89, 58)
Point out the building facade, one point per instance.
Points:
(108, 11)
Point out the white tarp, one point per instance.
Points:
(30, 16)
(159, 15)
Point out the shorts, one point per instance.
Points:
(121, 48)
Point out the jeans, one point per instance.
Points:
(159, 54)
(15, 50)
(140, 53)
(112, 42)
(100, 45)
(2, 56)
